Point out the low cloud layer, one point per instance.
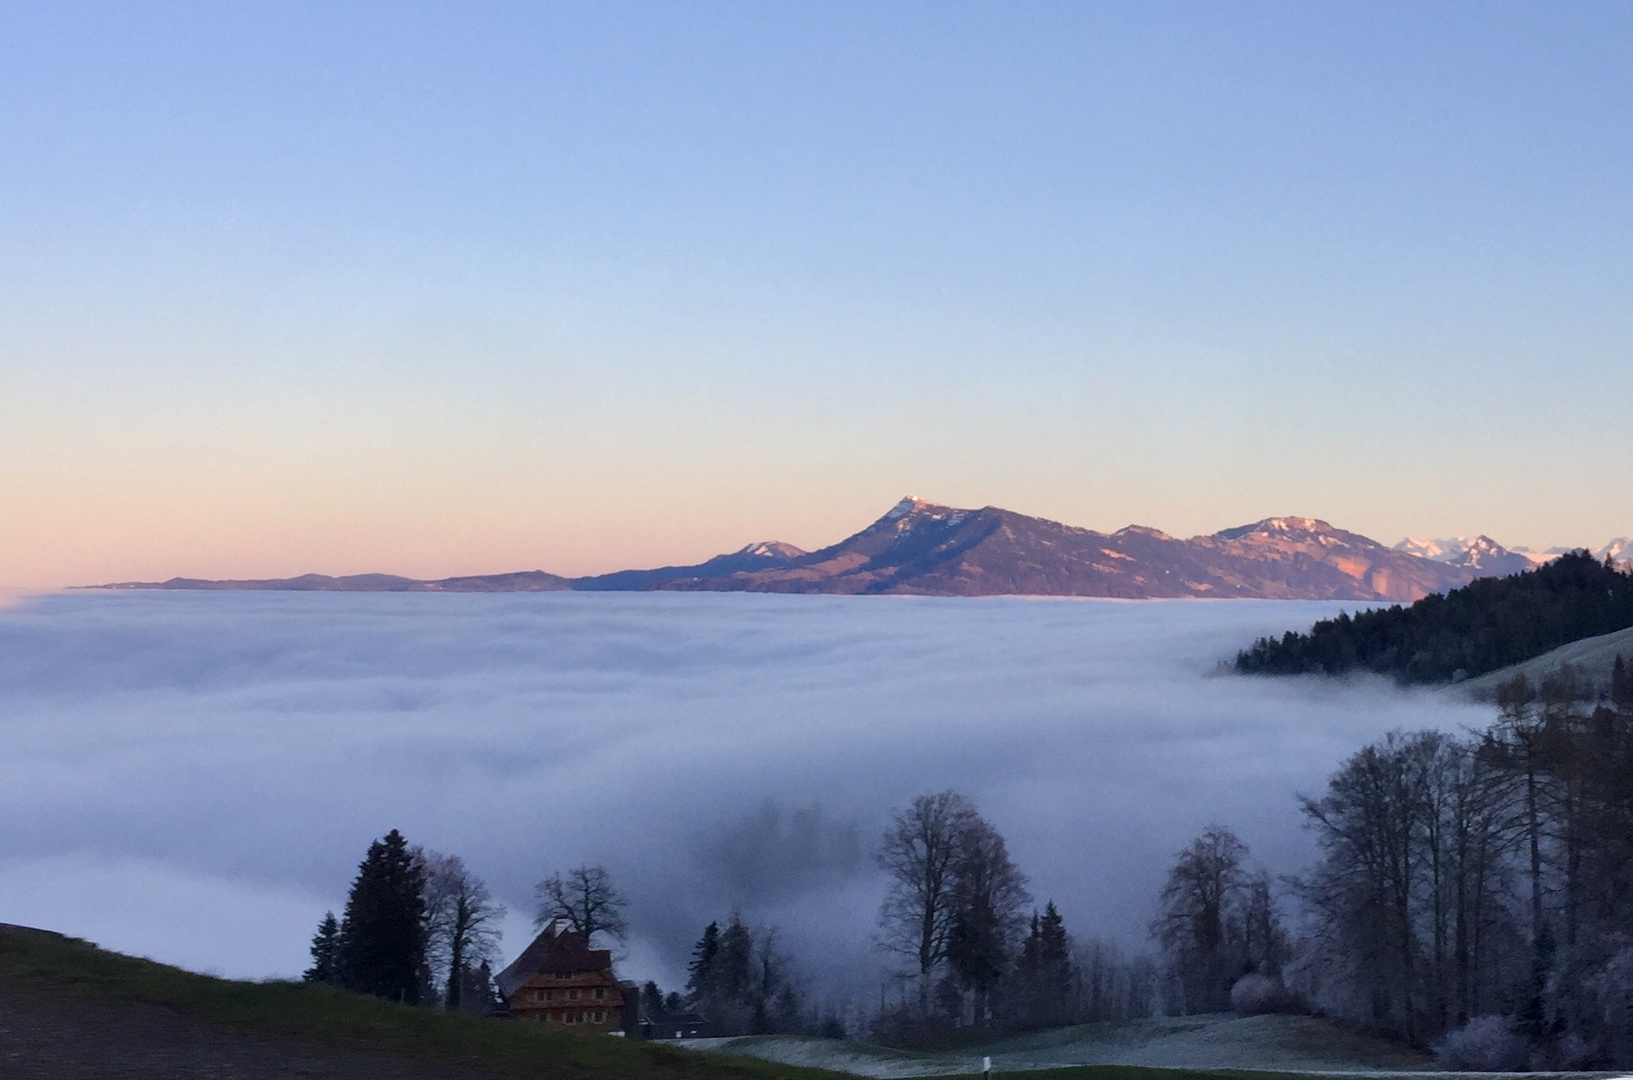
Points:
(195, 776)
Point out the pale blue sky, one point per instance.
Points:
(461, 287)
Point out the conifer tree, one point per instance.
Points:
(1055, 975)
(382, 939)
(325, 967)
(700, 979)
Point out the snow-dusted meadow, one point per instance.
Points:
(193, 776)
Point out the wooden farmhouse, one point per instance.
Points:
(559, 979)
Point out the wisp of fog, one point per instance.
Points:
(194, 776)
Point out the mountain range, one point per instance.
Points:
(1490, 559)
(921, 548)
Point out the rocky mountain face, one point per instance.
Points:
(922, 548)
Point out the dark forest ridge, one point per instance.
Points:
(920, 548)
(1483, 627)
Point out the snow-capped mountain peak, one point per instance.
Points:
(1280, 527)
(772, 549)
(1438, 550)
(1620, 549)
(1478, 553)
(902, 509)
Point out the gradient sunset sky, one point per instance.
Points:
(463, 288)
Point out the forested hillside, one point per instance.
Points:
(1483, 626)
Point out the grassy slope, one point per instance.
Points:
(77, 972)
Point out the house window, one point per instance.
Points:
(601, 1016)
(600, 992)
(574, 995)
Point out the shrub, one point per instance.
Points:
(1255, 994)
(1484, 1044)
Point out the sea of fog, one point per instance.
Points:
(194, 776)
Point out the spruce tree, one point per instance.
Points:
(1055, 974)
(382, 940)
(1023, 1001)
(700, 979)
(325, 952)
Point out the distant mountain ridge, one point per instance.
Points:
(926, 549)
(922, 548)
(1490, 558)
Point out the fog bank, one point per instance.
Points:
(194, 776)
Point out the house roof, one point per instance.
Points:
(556, 950)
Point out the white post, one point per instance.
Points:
(986, 1068)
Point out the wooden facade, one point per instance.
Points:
(559, 979)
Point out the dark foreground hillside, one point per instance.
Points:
(70, 1010)
(1484, 626)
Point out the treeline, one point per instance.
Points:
(1481, 627)
(976, 955)
(1473, 894)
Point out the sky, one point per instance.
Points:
(462, 288)
(195, 776)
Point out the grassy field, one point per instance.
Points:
(1219, 1044)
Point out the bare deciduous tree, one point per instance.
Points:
(989, 898)
(920, 854)
(586, 898)
(1204, 891)
(462, 922)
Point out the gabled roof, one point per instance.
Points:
(555, 951)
